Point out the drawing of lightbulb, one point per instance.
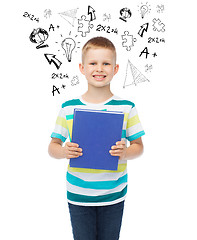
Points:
(68, 44)
(143, 10)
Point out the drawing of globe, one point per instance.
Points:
(38, 35)
(125, 13)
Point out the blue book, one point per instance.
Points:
(96, 132)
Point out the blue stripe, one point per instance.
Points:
(95, 199)
(120, 102)
(72, 103)
(123, 133)
(136, 136)
(95, 185)
(57, 135)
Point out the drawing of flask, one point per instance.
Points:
(68, 44)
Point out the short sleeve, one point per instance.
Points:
(134, 128)
(61, 129)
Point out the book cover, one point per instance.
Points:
(96, 132)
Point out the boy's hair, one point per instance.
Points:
(98, 42)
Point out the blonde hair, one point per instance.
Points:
(98, 42)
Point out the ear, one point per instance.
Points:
(116, 68)
(81, 68)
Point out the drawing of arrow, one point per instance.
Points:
(91, 12)
(52, 59)
(144, 28)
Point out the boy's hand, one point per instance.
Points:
(72, 150)
(119, 150)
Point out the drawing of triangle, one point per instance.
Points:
(137, 76)
(69, 15)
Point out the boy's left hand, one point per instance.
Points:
(119, 150)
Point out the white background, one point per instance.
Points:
(161, 200)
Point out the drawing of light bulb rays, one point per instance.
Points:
(68, 44)
(137, 76)
(144, 9)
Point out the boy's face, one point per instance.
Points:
(99, 66)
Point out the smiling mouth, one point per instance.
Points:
(99, 77)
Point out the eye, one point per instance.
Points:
(106, 64)
(93, 63)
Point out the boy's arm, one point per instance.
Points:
(127, 153)
(70, 150)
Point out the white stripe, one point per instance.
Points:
(134, 129)
(100, 177)
(98, 203)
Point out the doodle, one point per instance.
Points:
(156, 40)
(148, 67)
(39, 36)
(145, 51)
(54, 90)
(125, 13)
(107, 29)
(144, 9)
(144, 28)
(69, 15)
(84, 26)
(30, 16)
(63, 86)
(154, 54)
(128, 40)
(68, 44)
(52, 27)
(51, 58)
(75, 81)
(47, 13)
(106, 17)
(138, 77)
(158, 25)
(91, 12)
(59, 75)
(160, 8)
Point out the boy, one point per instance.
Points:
(96, 197)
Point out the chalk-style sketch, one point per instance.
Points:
(106, 17)
(69, 15)
(158, 25)
(107, 29)
(154, 54)
(160, 8)
(129, 41)
(68, 44)
(75, 81)
(39, 36)
(51, 58)
(156, 40)
(84, 26)
(148, 67)
(144, 28)
(145, 51)
(47, 13)
(30, 16)
(144, 9)
(55, 89)
(91, 12)
(138, 77)
(125, 13)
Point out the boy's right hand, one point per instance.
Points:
(72, 150)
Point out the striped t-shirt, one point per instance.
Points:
(93, 187)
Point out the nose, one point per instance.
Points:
(99, 68)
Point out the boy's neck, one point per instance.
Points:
(97, 95)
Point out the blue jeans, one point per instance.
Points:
(96, 223)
